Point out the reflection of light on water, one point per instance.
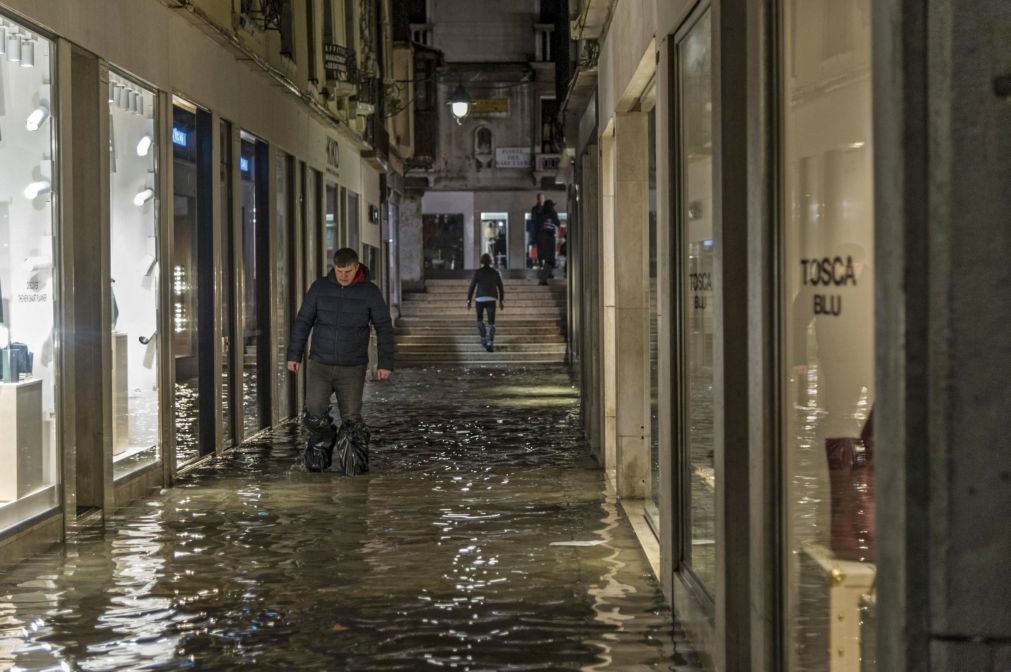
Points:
(608, 588)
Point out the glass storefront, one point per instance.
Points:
(185, 294)
(354, 237)
(827, 243)
(227, 298)
(282, 285)
(653, 501)
(134, 274)
(29, 282)
(331, 242)
(695, 208)
(256, 373)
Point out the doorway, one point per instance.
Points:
(495, 237)
(193, 302)
(254, 166)
(442, 237)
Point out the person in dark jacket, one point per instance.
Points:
(547, 226)
(488, 283)
(339, 309)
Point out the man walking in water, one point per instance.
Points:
(339, 309)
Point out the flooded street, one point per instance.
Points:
(482, 539)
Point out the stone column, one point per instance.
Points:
(629, 269)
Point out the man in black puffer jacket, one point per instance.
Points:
(338, 309)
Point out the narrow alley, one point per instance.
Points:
(482, 538)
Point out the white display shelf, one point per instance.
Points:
(21, 455)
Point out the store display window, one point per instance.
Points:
(134, 273)
(281, 253)
(29, 277)
(697, 252)
(827, 244)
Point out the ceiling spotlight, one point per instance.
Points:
(28, 54)
(13, 48)
(143, 196)
(459, 103)
(37, 188)
(144, 145)
(37, 118)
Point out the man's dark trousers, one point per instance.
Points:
(347, 382)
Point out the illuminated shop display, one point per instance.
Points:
(134, 268)
(828, 330)
(29, 282)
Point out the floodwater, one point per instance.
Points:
(482, 539)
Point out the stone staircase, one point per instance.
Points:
(436, 328)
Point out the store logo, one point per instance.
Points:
(700, 282)
(333, 154)
(828, 272)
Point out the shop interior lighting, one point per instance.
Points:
(28, 54)
(143, 196)
(13, 48)
(37, 117)
(36, 189)
(144, 145)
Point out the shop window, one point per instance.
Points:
(653, 501)
(283, 281)
(696, 250)
(29, 278)
(827, 380)
(134, 273)
(482, 142)
(227, 297)
(353, 218)
(551, 132)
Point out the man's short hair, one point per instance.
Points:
(345, 257)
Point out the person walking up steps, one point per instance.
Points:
(488, 283)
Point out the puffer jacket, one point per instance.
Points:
(339, 319)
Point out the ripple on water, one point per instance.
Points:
(442, 556)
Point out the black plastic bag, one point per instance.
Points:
(319, 448)
(353, 448)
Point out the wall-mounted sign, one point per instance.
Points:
(490, 107)
(333, 155)
(512, 157)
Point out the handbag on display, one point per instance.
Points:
(851, 487)
(16, 360)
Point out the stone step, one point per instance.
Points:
(502, 336)
(510, 303)
(462, 312)
(452, 359)
(558, 290)
(522, 336)
(475, 346)
(533, 280)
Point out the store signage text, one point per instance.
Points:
(333, 155)
(35, 296)
(512, 157)
(828, 272)
(179, 137)
(243, 164)
(700, 282)
(495, 107)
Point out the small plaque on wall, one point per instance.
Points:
(512, 157)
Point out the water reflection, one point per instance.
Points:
(463, 548)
